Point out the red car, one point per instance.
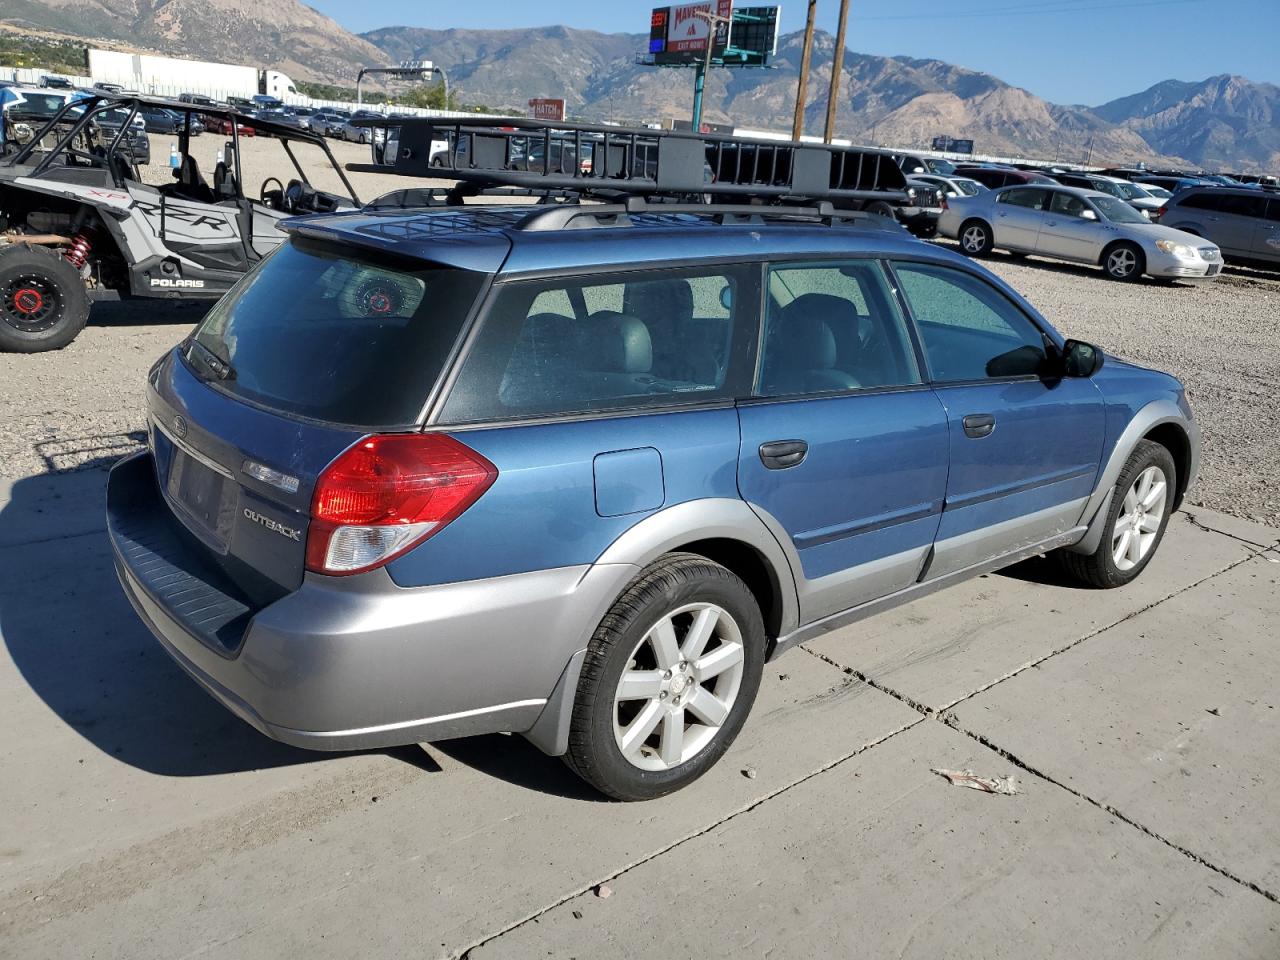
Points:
(223, 125)
(997, 177)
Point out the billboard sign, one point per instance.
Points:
(547, 108)
(952, 145)
(678, 34)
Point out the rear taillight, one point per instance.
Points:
(389, 493)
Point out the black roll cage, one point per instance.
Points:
(84, 110)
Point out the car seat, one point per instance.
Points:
(802, 355)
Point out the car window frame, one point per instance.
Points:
(1025, 188)
(803, 260)
(1046, 335)
(599, 274)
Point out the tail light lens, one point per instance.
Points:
(387, 494)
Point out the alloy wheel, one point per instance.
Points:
(1141, 514)
(1121, 262)
(974, 240)
(678, 689)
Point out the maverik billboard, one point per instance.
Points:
(678, 34)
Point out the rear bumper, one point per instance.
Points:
(358, 662)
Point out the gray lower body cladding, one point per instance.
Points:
(359, 662)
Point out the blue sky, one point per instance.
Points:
(1068, 51)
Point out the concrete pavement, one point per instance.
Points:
(142, 820)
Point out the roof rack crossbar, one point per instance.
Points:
(586, 216)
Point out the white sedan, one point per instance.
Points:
(1083, 226)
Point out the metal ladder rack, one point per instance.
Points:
(594, 160)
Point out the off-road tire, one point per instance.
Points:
(43, 302)
(1099, 569)
(668, 584)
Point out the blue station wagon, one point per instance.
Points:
(578, 472)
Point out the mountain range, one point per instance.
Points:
(1224, 122)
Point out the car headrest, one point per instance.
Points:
(653, 299)
(618, 343)
(809, 321)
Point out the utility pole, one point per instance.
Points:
(797, 127)
(837, 64)
(700, 78)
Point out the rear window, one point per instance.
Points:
(325, 333)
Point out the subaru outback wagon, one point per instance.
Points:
(578, 473)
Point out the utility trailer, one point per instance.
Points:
(606, 162)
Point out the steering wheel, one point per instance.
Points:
(272, 198)
(297, 195)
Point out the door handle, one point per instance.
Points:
(979, 425)
(780, 454)
(1051, 223)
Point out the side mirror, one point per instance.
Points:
(1080, 359)
(1087, 214)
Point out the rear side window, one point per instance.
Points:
(323, 333)
(1242, 206)
(970, 330)
(1030, 197)
(585, 344)
(833, 327)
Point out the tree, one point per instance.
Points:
(431, 97)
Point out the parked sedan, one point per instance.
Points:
(161, 120)
(955, 186)
(1083, 226)
(353, 134)
(1130, 193)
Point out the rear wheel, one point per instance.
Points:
(43, 303)
(668, 680)
(1124, 261)
(975, 238)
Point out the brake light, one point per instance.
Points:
(389, 493)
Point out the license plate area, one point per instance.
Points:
(205, 499)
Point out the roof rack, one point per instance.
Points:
(585, 216)
(615, 162)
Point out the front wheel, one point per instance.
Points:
(1124, 261)
(43, 302)
(1136, 521)
(668, 680)
(976, 239)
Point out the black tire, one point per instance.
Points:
(43, 302)
(976, 238)
(1124, 261)
(880, 209)
(1100, 569)
(677, 580)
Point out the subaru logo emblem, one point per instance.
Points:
(179, 427)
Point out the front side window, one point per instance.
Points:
(1031, 197)
(833, 327)
(970, 330)
(586, 344)
(1068, 205)
(1117, 211)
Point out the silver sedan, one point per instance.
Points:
(1083, 226)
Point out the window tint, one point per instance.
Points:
(1200, 201)
(1241, 206)
(326, 333)
(570, 346)
(833, 327)
(1067, 205)
(1030, 197)
(970, 330)
(1273, 209)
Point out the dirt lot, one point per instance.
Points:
(1222, 340)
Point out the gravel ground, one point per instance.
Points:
(82, 405)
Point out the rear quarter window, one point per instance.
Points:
(326, 333)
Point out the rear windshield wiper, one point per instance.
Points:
(220, 368)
